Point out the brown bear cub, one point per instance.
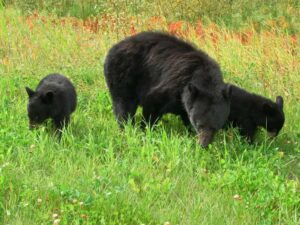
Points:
(164, 74)
(249, 111)
(55, 98)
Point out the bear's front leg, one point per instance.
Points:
(150, 117)
(247, 130)
(186, 121)
(61, 122)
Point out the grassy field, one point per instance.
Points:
(99, 174)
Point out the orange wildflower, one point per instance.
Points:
(175, 27)
(199, 29)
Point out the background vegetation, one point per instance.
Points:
(233, 14)
(98, 174)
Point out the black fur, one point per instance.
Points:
(166, 75)
(55, 98)
(249, 111)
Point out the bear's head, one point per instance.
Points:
(39, 106)
(207, 112)
(274, 116)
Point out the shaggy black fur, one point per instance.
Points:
(55, 98)
(166, 75)
(249, 111)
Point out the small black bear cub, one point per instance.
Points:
(55, 98)
(164, 74)
(249, 111)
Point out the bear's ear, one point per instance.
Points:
(29, 92)
(227, 91)
(193, 90)
(268, 109)
(48, 97)
(198, 93)
(279, 101)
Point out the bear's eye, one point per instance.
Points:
(190, 107)
(199, 125)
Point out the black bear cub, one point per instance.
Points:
(55, 98)
(249, 111)
(164, 74)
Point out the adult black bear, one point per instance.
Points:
(55, 98)
(166, 75)
(249, 111)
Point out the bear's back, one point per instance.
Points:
(61, 85)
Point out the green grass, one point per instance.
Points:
(99, 174)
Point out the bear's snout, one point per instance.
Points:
(205, 137)
(272, 134)
(32, 125)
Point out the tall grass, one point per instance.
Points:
(98, 174)
(234, 14)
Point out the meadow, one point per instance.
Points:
(98, 174)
